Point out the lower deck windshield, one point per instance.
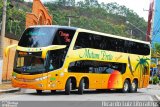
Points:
(30, 63)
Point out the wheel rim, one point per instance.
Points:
(83, 86)
(70, 86)
(125, 87)
(134, 85)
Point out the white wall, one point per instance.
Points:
(1, 66)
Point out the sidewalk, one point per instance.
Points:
(7, 87)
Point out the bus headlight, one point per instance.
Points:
(41, 78)
(14, 76)
(53, 85)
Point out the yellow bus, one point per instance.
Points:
(67, 58)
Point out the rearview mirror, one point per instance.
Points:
(8, 48)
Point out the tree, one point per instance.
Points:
(156, 50)
(108, 18)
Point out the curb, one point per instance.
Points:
(10, 90)
(158, 97)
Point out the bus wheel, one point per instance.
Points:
(39, 91)
(126, 85)
(134, 86)
(53, 91)
(81, 86)
(68, 87)
(102, 90)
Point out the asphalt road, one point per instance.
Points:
(146, 94)
(92, 98)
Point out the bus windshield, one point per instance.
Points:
(32, 62)
(29, 63)
(37, 37)
(45, 36)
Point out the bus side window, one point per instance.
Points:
(121, 45)
(108, 42)
(63, 37)
(99, 67)
(96, 41)
(127, 46)
(57, 58)
(84, 40)
(103, 44)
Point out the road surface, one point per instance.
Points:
(146, 94)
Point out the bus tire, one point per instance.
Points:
(53, 91)
(126, 86)
(81, 86)
(134, 86)
(68, 87)
(102, 90)
(39, 91)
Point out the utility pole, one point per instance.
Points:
(3, 29)
(69, 19)
(150, 21)
(127, 22)
(135, 27)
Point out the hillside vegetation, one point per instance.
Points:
(89, 14)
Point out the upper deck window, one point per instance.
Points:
(63, 37)
(95, 41)
(37, 37)
(45, 36)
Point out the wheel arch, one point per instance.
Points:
(129, 80)
(73, 81)
(86, 81)
(136, 79)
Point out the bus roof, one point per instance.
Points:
(55, 26)
(90, 31)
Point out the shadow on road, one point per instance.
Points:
(48, 93)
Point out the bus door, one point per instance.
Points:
(54, 60)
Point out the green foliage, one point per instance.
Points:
(157, 48)
(108, 18)
(15, 20)
(156, 79)
(155, 52)
(1, 7)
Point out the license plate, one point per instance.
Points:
(23, 85)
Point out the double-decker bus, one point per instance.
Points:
(67, 58)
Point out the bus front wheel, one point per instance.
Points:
(68, 87)
(81, 86)
(53, 91)
(39, 91)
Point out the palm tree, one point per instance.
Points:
(130, 66)
(142, 64)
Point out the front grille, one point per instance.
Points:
(25, 80)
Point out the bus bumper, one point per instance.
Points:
(38, 85)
